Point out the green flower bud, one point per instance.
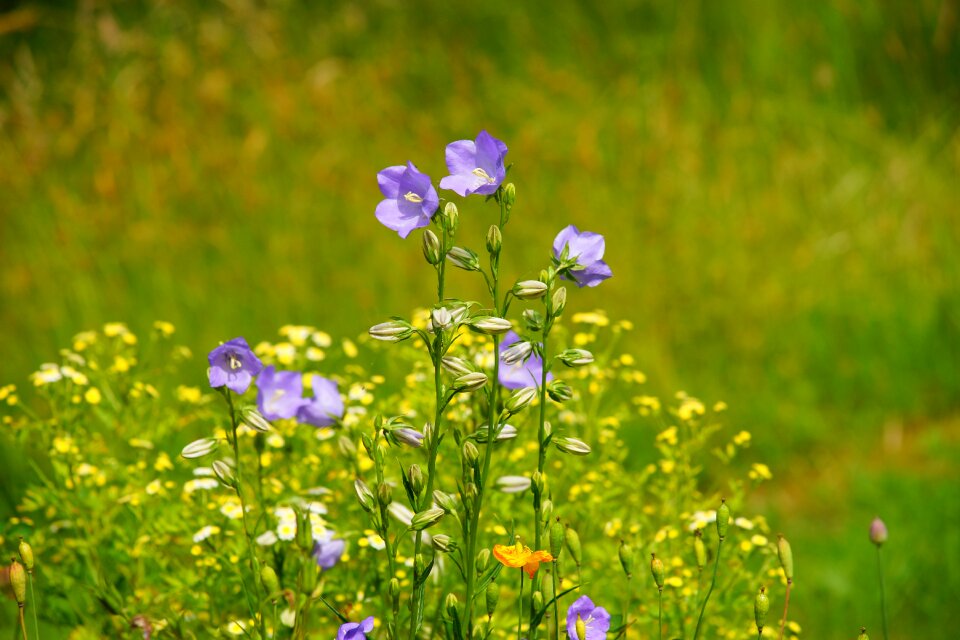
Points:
(254, 419)
(878, 532)
(760, 608)
(450, 606)
(656, 568)
(384, 494)
(442, 542)
(490, 325)
(483, 559)
(200, 448)
(452, 217)
(546, 510)
(26, 554)
(268, 577)
(557, 537)
(509, 195)
(470, 382)
(18, 581)
(457, 366)
(470, 453)
(533, 320)
(368, 442)
(365, 495)
(494, 240)
(537, 482)
(723, 519)
(573, 544)
(431, 247)
(559, 301)
(519, 399)
(392, 331)
(305, 531)
(426, 518)
(445, 500)
(626, 558)
(573, 446)
(699, 549)
(348, 448)
(537, 600)
(393, 590)
(559, 391)
(419, 564)
(493, 597)
(464, 258)
(417, 480)
(529, 289)
(786, 557)
(576, 357)
(224, 472)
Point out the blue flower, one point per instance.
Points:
(580, 256)
(475, 166)
(355, 630)
(326, 405)
(279, 393)
(234, 365)
(410, 199)
(594, 621)
(523, 374)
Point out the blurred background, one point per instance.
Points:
(777, 182)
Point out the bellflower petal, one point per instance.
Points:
(279, 393)
(410, 199)
(233, 364)
(523, 374)
(475, 166)
(596, 619)
(584, 250)
(326, 405)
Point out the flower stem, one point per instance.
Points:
(660, 615)
(713, 582)
(786, 605)
(883, 604)
(23, 625)
(556, 602)
(520, 606)
(33, 599)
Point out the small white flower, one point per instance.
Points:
(200, 484)
(206, 532)
(287, 530)
(288, 617)
(267, 538)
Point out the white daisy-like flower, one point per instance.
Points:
(287, 530)
(206, 532)
(200, 484)
(232, 509)
(701, 519)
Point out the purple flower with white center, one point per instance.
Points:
(279, 393)
(327, 553)
(234, 365)
(595, 620)
(410, 199)
(475, 166)
(355, 630)
(326, 405)
(582, 253)
(522, 374)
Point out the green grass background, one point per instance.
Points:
(777, 181)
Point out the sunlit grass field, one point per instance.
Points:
(777, 183)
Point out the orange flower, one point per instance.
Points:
(519, 556)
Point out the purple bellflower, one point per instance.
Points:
(233, 365)
(580, 256)
(475, 166)
(355, 630)
(595, 620)
(279, 393)
(522, 374)
(327, 553)
(326, 405)
(410, 199)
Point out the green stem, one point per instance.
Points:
(786, 605)
(713, 582)
(23, 625)
(520, 606)
(541, 435)
(556, 601)
(660, 614)
(883, 604)
(33, 599)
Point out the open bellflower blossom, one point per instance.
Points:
(410, 199)
(279, 393)
(476, 166)
(326, 405)
(595, 621)
(327, 553)
(355, 630)
(233, 365)
(522, 374)
(586, 249)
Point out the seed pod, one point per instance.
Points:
(269, 579)
(723, 519)
(760, 608)
(556, 538)
(573, 544)
(786, 557)
(699, 549)
(26, 554)
(493, 597)
(494, 240)
(626, 558)
(18, 581)
(483, 559)
(311, 575)
(656, 568)
(863, 634)
(450, 606)
(431, 247)
(878, 532)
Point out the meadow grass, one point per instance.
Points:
(777, 185)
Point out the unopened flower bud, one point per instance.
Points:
(271, 584)
(557, 536)
(760, 608)
(878, 532)
(365, 495)
(200, 448)
(509, 195)
(393, 590)
(26, 554)
(656, 568)
(483, 559)
(533, 320)
(426, 518)
(408, 436)
(576, 357)
(546, 510)
(626, 558)
(450, 606)
(470, 381)
(392, 331)
(457, 366)
(445, 500)
(441, 542)
(416, 478)
(470, 453)
(347, 447)
(224, 472)
(384, 494)
(492, 597)
(537, 600)
(419, 564)
(573, 544)
(529, 289)
(18, 581)
(464, 259)
(723, 519)
(517, 352)
(537, 482)
(786, 557)
(367, 442)
(490, 325)
(441, 318)
(573, 446)
(431, 247)
(520, 398)
(254, 419)
(452, 216)
(304, 535)
(494, 240)
(559, 301)
(699, 549)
